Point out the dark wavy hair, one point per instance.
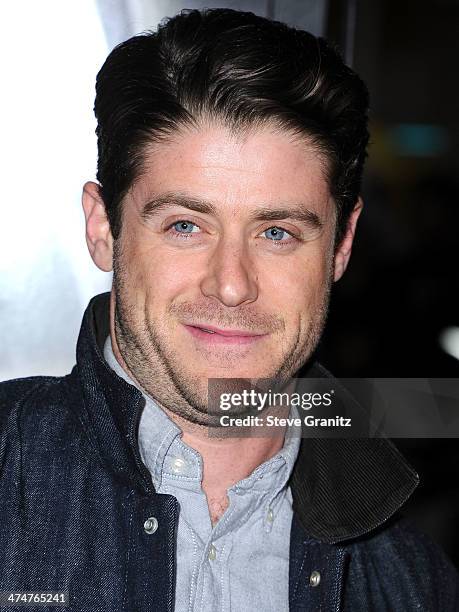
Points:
(241, 69)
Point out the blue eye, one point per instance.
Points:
(184, 227)
(277, 233)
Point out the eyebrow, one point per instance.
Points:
(298, 212)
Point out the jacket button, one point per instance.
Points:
(150, 525)
(314, 578)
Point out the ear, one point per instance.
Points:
(98, 235)
(343, 252)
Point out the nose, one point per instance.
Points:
(230, 275)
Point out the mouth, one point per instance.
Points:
(213, 335)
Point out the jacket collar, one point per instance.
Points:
(341, 489)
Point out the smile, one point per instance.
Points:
(213, 335)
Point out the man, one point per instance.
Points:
(231, 151)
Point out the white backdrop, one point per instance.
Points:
(50, 55)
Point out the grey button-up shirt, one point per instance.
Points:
(242, 562)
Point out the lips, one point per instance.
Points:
(225, 332)
(209, 334)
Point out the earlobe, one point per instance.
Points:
(343, 252)
(98, 234)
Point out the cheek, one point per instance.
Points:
(151, 268)
(299, 290)
(162, 279)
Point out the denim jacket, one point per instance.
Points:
(75, 499)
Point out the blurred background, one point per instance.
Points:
(394, 314)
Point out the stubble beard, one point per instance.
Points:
(159, 372)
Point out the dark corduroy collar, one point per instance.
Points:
(341, 489)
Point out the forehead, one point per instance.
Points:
(260, 166)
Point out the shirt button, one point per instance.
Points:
(270, 516)
(314, 578)
(150, 525)
(177, 465)
(212, 553)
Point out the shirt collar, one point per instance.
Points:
(341, 489)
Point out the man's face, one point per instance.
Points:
(229, 233)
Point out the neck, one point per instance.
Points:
(226, 460)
